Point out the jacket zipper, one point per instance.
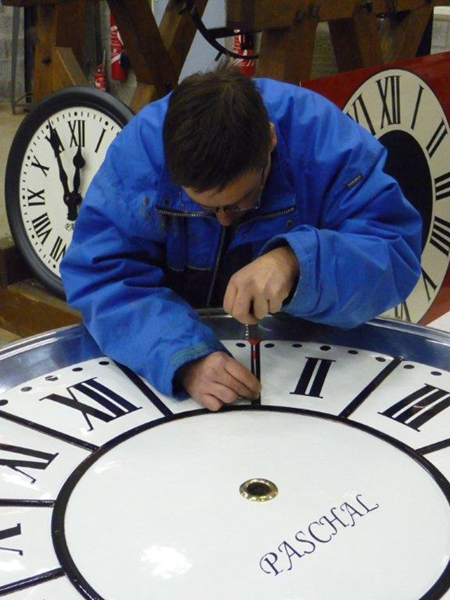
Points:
(216, 268)
(280, 213)
(180, 213)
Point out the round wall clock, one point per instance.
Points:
(335, 484)
(56, 152)
(403, 112)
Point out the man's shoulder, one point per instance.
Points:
(283, 98)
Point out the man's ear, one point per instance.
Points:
(273, 137)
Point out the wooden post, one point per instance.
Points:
(356, 42)
(63, 25)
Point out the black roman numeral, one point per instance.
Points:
(77, 130)
(8, 533)
(38, 165)
(32, 195)
(389, 89)
(437, 139)
(419, 407)
(99, 393)
(442, 185)
(58, 250)
(416, 108)
(313, 377)
(440, 235)
(357, 106)
(42, 227)
(99, 143)
(17, 464)
(401, 311)
(427, 281)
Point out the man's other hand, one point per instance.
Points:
(218, 379)
(261, 287)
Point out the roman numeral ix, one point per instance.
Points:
(116, 406)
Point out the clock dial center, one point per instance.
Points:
(162, 506)
(258, 490)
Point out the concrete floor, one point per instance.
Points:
(9, 124)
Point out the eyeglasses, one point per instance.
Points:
(231, 210)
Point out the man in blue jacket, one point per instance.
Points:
(254, 195)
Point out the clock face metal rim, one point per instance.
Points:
(45, 354)
(83, 97)
(440, 587)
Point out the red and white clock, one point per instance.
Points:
(406, 106)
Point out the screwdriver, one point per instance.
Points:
(254, 339)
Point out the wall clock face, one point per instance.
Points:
(403, 112)
(55, 154)
(334, 485)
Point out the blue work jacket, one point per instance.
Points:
(143, 254)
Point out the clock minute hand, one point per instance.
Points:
(53, 139)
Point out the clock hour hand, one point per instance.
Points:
(79, 163)
(75, 197)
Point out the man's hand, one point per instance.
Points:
(261, 287)
(218, 379)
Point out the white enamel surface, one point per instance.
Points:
(429, 117)
(165, 508)
(59, 589)
(34, 542)
(49, 207)
(283, 363)
(34, 403)
(400, 384)
(441, 460)
(34, 483)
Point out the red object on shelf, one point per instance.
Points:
(244, 44)
(100, 81)
(118, 72)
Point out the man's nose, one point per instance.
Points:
(225, 218)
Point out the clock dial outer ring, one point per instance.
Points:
(437, 591)
(84, 97)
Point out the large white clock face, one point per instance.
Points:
(110, 490)
(403, 112)
(55, 154)
(49, 219)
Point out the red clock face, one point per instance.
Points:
(406, 106)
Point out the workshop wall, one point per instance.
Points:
(6, 31)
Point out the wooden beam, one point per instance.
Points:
(356, 42)
(177, 33)
(143, 94)
(401, 34)
(141, 36)
(13, 267)
(27, 309)
(66, 69)
(70, 25)
(287, 54)
(46, 29)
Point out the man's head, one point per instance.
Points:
(218, 139)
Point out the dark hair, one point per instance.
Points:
(216, 129)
